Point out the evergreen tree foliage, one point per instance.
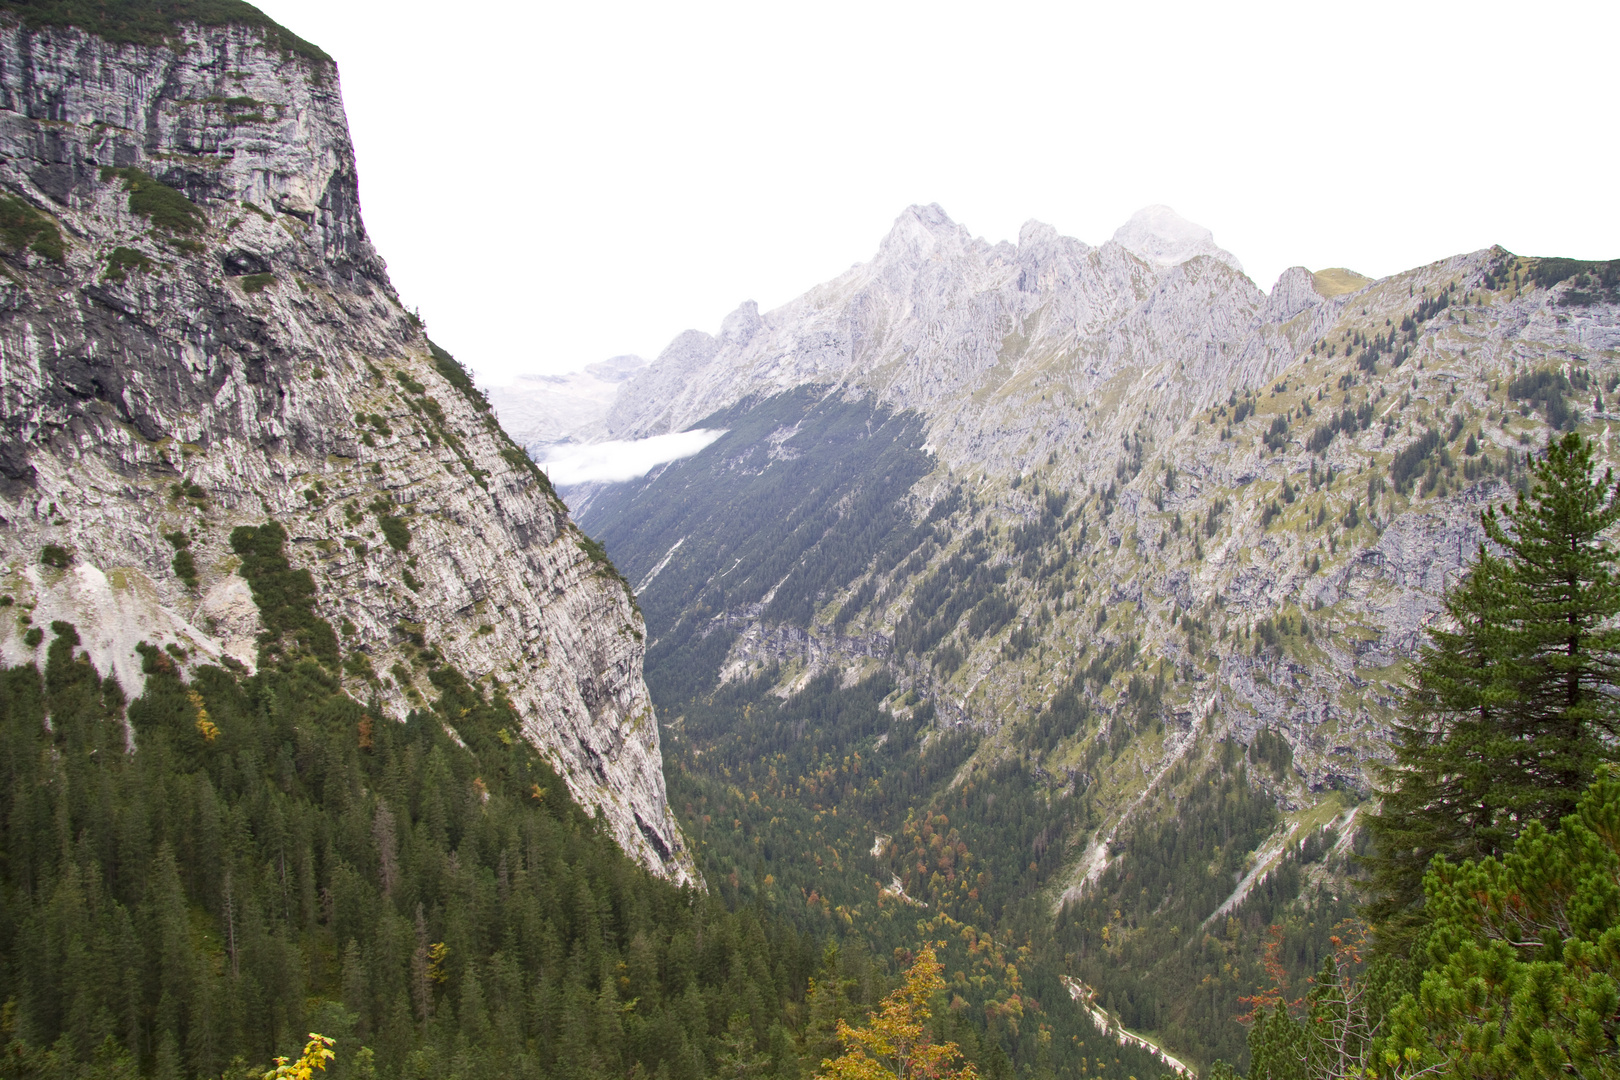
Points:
(1523, 958)
(1334, 1031)
(156, 22)
(1511, 704)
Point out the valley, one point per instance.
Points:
(1009, 647)
(1089, 580)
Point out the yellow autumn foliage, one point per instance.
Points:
(317, 1052)
(896, 1043)
(206, 727)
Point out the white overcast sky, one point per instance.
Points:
(556, 183)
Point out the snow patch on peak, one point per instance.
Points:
(1161, 237)
(616, 369)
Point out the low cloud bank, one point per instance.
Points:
(621, 460)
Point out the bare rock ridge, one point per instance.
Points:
(939, 315)
(196, 334)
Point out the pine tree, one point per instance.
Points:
(826, 1003)
(1277, 1047)
(1510, 707)
(740, 1058)
(1524, 957)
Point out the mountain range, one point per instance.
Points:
(1096, 515)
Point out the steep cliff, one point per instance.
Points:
(196, 335)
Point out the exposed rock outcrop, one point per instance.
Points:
(196, 334)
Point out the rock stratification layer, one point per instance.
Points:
(196, 334)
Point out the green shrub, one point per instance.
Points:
(254, 283)
(358, 664)
(21, 226)
(56, 555)
(457, 376)
(156, 201)
(286, 597)
(189, 489)
(122, 261)
(185, 565)
(33, 637)
(395, 531)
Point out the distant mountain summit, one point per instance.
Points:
(938, 318)
(1159, 235)
(917, 324)
(542, 411)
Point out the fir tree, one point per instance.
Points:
(740, 1058)
(1510, 707)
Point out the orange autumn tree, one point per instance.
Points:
(896, 1044)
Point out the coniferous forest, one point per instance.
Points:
(1507, 721)
(270, 859)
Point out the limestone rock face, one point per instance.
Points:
(218, 344)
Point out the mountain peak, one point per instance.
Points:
(920, 228)
(1160, 236)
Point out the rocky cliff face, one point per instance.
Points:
(196, 334)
